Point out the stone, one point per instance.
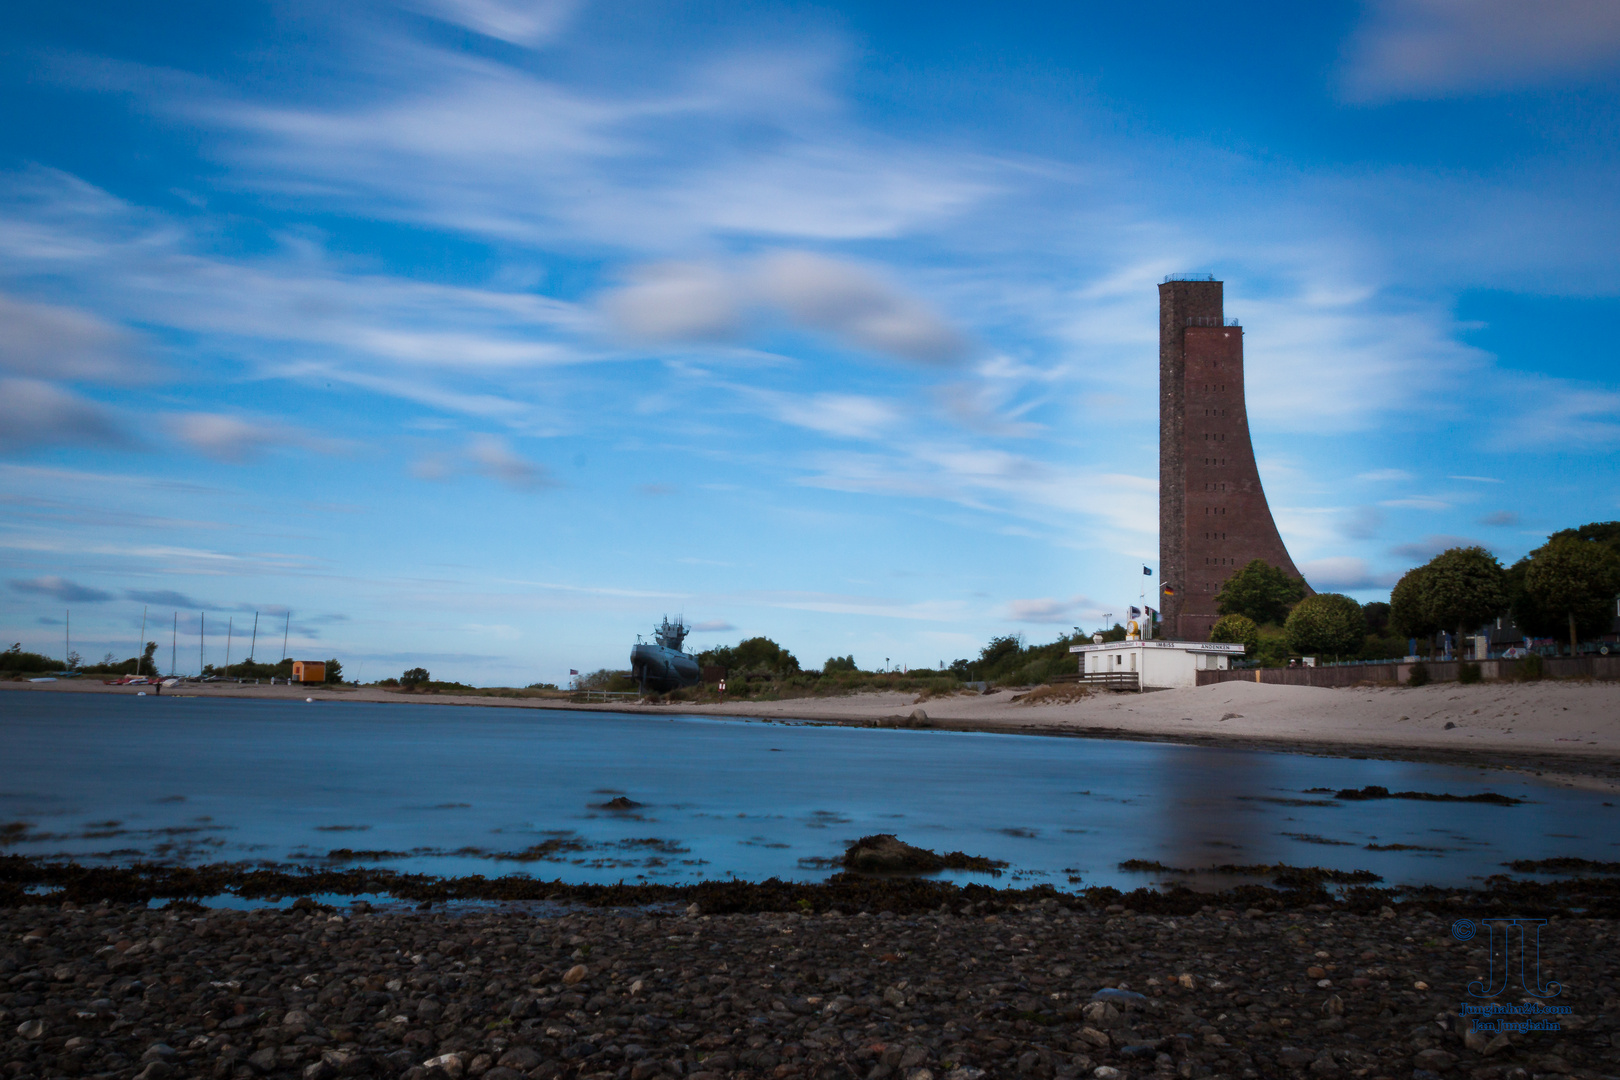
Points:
(1094, 1037)
(576, 974)
(452, 1065)
(1434, 1059)
(31, 1029)
(521, 1058)
(263, 1061)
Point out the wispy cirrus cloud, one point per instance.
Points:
(35, 413)
(237, 439)
(48, 341)
(490, 456)
(63, 590)
(1048, 610)
(1442, 48)
(851, 303)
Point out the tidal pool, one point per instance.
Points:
(453, 790)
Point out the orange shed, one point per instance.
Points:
(309, 671)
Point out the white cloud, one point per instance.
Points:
(34, 413)
(45, 341)
(1423, 550)
(1439, 48)
(691, 302)
(521, 22)
(678, 302)
(62, 590)
(857, 307)
(1385, 476)
(1049, 610)
(1343, 572)
(238, 439)
(713, 626)
(490, 456)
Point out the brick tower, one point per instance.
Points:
(1213, 517)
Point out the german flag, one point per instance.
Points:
(1167, 590)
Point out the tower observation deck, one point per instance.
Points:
(1213, 515)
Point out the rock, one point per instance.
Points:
(451, 1064)
(159, 1052)
(1121, 998)
(1106, 1072)
(520, 1058)
(1094, 1037)
(263, 1061)
(965, 1073)
(501, 1072)
(1434, 1059)
(31, 1029)
(576, 974)
(155, 1070)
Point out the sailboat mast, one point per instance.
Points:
(254, 646)
(140, 646)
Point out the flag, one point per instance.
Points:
(573, 671)
(1167, 590)
(1147, 571)
(1136, 613)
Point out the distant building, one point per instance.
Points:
(1213, 515)
(309, 671)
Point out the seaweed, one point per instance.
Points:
(1373, 791)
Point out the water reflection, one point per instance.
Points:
(591, 797)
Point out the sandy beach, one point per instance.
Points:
(1570, 728)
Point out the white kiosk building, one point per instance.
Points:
(1152, 665)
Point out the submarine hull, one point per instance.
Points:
(662, 669)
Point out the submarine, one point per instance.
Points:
(660, 664)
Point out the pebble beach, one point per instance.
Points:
(1039, 989)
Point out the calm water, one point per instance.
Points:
(451, 790)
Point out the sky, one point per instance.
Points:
(481, 334)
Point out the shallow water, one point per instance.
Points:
(451, 790)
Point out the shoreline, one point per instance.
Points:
(1561, 732)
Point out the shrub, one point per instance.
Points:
(1531, 668)
(415, 675)
(1237, 630)
(1419, 675)
(1468, 672)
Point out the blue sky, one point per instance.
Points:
(481, 333)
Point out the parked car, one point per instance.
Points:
(1515, 653)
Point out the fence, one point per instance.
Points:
(1563, 667)
(604, 695)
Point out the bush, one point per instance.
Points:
(1531, 668)
(415, 675)
(836, 664)
(1419, 675)
(1468, 672)
(1327, 623)
(1237, 630)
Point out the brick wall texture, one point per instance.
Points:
(1213, 516)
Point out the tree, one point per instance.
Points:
(1329, 623)
(1377, 616)
(836, 664)
(1576, 579)
(1262, 592)
(1464, 588)
(1606, 533)
(415, 675)
(1237, 630)
(1408, 611)
(334, 672)
(147, 666)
